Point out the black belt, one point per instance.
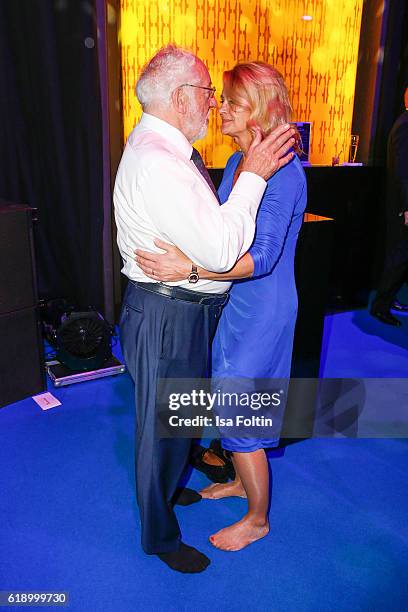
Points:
(178, 293)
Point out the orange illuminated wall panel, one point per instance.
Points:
(314, 44)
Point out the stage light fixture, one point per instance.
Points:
(82, 339)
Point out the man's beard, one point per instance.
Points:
(197, 132)
(203, 131)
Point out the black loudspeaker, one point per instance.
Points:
(22, 371)
(312, 273)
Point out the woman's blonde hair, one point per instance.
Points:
(260, 88)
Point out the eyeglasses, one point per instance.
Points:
(211, 89)
(233, 106)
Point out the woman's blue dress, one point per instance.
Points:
(254, 338)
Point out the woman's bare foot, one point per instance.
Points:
(218, 490)
(241, 534)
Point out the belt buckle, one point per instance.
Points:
(206, 301)
(214, 301)
(225, 300)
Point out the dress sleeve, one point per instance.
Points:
(274, 218)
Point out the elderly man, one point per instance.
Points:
(163, 191)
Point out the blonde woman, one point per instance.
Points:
(254, 338)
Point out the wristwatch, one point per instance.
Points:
(193, 276)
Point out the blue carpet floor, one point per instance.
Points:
(339, 529)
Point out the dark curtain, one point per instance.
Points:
(51, 141)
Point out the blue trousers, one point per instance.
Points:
(161, 338)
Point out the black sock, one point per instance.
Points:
(187, 560)
(186, 497)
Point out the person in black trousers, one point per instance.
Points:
(395, 271)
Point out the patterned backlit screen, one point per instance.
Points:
(313, 43)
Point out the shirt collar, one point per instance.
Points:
(167, 131)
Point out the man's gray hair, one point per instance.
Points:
(169, 68)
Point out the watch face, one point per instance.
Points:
(193, 277)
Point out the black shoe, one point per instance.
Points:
(186, 497)
(215, 473)
(399, 307)
(386, 317)
(226, 456)
(187, 560)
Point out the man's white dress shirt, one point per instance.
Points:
(159, 193)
